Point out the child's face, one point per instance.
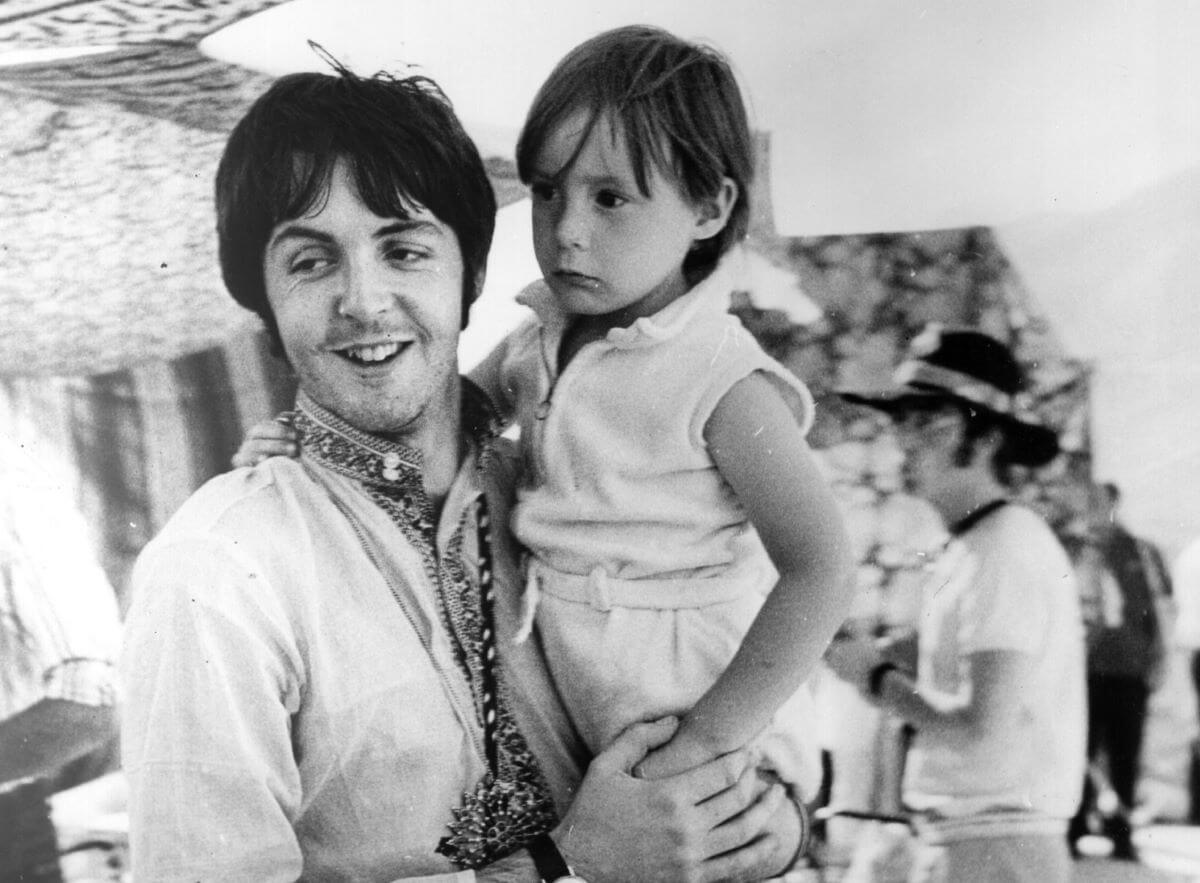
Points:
(602, 246)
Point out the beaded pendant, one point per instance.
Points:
(493, 820)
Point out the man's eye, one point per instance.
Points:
(610, 199)
(308, 263)
(542, 191)
(403, 254)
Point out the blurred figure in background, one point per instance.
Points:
(1187, 637)
(1122, 581)
(993, 685)
(59, 636)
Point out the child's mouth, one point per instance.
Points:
(579, 280)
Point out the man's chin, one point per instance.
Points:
(395, 404)
(385, 417)
(394, 423)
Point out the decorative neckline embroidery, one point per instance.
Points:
(511, 804)
(376, 459)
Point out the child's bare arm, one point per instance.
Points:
(759, 449)
(269, 438)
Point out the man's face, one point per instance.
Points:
(929, 436)
(368, 309)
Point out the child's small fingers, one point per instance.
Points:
(271, 430)
(286, 447)
(275, 447)
(254, 451)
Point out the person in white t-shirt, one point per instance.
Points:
(997, 693)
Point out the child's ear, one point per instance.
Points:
(714, 211)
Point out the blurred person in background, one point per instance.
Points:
(59, 638)
(993, 685)
(1187, 637)
(1123, 583)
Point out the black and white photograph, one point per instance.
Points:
(449, 440)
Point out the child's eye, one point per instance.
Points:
(610, 199)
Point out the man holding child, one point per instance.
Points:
(320, 672)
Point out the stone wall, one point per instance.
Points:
(877, 292)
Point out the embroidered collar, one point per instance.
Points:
(711, 294)
(511, 804)
(374, 459)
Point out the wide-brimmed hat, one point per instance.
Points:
(976, 370)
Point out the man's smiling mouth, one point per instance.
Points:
(371, 354)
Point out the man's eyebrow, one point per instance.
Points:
(410, 225)
(300, 231)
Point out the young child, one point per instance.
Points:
(685, 554)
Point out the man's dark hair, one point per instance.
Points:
(976, 422)
(402, 142)
(679, 107)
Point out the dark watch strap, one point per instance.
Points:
(547, 859)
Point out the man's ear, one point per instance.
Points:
(984, 447)
(714, 211)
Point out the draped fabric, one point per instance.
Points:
(133, 444)
(107, 162)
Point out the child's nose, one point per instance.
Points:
(571, 228)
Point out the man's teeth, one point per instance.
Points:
(376, 353)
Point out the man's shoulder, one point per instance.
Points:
(239, 506)
(1017, 533)
(1019, 518)
(243, 537)
(1187, 566)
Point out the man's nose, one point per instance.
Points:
(367, 292)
